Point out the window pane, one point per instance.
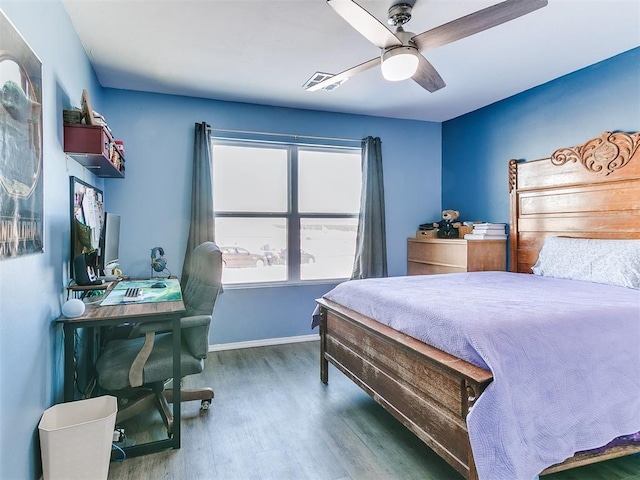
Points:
(250, 249)
(249, 179)
(338, 171)
(328, 246)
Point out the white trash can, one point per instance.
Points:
(75, 439)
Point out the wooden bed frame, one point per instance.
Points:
(590, 191)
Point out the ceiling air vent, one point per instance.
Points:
(318, 77)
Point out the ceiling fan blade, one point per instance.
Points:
(365, 23)
(476, 22)
(339, 77)
(427, 76)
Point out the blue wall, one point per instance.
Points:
(32, 287)
(562, 113)
(154, 198)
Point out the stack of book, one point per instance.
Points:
(487, 231)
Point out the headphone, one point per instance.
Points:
(158, 263)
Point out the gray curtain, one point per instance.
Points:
(202, 223)
(371, 243)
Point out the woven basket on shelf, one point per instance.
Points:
(426, 234)
(463, 230)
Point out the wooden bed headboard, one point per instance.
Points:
(589, 191)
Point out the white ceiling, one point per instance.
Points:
(263, 51)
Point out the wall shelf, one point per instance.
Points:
(93, 147)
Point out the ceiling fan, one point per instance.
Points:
(400, 57)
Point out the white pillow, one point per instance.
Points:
(613, 262)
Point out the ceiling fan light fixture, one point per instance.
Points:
(399, 63)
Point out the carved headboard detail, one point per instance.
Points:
(603, 154)
(589, 191)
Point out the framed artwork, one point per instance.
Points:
(87, 111)
(21, 182)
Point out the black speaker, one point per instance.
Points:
(83, 270)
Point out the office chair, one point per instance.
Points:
(136, 370)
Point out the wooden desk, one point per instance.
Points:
(97, 316)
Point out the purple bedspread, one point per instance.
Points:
(565, 357)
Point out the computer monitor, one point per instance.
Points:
(109, 241)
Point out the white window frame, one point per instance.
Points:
(292, 215)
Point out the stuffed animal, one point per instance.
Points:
(448, 227)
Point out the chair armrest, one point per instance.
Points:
(185, 322)
(195, 321)
(154, 327)
(137, 367)
(194, 332)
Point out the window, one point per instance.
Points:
(285, 212)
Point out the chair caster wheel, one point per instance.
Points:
(205, 404)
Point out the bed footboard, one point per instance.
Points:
(427, 390)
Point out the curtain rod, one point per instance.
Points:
(292, 135)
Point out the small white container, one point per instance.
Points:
(75, 439)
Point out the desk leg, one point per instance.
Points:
(69, 367)
(177, 346)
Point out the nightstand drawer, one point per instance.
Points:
(452, 253)
(429, 256)
(417, 268)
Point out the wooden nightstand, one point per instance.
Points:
(428, 256)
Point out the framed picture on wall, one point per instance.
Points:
(87, 111)
(21, 179)
(87, 213)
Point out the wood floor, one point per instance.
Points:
(272, 418)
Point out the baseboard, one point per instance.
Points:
(263, 343)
